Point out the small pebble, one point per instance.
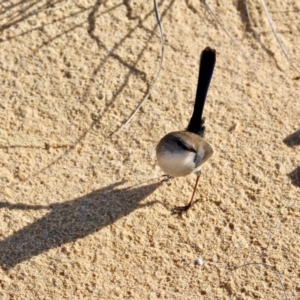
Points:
(234, 127)
(199, 261)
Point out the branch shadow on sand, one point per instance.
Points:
(66, 222)
(294, 176)
(293, 139)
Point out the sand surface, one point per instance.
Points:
(83, 214)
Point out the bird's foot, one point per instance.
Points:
(181, 210)
(166, 178)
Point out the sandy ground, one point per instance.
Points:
(83, 214)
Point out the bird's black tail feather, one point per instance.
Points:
(207, 64)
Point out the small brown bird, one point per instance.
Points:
(181, 153)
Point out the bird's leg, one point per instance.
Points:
(183, 209)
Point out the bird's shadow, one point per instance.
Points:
(66, 222)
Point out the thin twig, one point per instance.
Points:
(219, 22)
(222, 26)
(159, 24)
(249, 18)
(273, 269)
(277, 36)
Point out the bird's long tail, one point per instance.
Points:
(207, 64)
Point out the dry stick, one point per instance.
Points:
(219, 22)
(159, 69)
(223, 27)
(273, 269)
(248, 13)
(277, 36)
(249, 18)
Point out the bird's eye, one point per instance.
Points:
(184, 146)
(180, 144)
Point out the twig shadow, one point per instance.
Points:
(294, 176)
(293, 139)
(66, 222)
